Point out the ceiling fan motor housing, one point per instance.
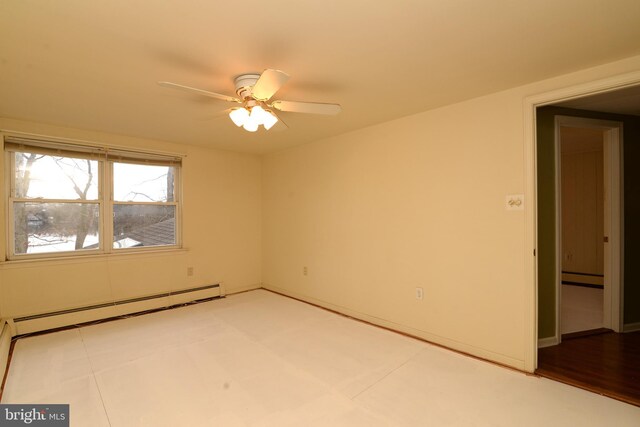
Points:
(244, 84)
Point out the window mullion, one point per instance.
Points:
(10, 228)
(107, 197)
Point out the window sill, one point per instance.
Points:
(74, 259)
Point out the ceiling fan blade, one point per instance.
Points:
(280, 125)
(268, 84)
(219, 114)
(200, 91)
(307, 107)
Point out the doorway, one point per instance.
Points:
(603, 361)
(588, 225)
(581, 229)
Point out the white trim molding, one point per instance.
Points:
(631, 327)
(5, 346)
(548, 342)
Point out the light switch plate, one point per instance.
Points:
(515, 202)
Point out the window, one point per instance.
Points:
(144, 209)
(68, 199)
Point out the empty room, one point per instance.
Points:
(408, 213)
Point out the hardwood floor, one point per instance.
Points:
(607, 363)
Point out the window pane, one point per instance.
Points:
(49, 177)
(55, 227)
(143, 225)
(143, 183)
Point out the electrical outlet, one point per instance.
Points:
(189, 271)
(305, 271)
(419, 293)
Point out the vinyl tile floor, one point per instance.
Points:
(260, 359)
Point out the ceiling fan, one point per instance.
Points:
(254, 92)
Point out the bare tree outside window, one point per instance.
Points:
(86, 216)
(24, 161)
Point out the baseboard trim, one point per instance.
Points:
(631, 327)
(548, 342)
(468, 350)
(242, 289)
(5, 350)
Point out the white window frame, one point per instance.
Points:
(105, 156)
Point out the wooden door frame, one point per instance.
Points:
(612, 175)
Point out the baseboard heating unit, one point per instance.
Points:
(61, 318)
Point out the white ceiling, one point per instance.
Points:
(94, 64)
(621, 101)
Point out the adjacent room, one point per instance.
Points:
(321, 213)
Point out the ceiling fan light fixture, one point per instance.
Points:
(263, 117)
(269, 119)
(251, 120)
(239, 116)
(257, 113)
(250, 126)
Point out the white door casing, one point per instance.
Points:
(530, 104)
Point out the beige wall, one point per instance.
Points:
(416, 202)
(373, 214)
(221, 236)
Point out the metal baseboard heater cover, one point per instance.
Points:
(114, 303)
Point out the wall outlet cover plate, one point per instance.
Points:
(514, 202)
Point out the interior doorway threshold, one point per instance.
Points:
(587, 333)
(602, 361)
